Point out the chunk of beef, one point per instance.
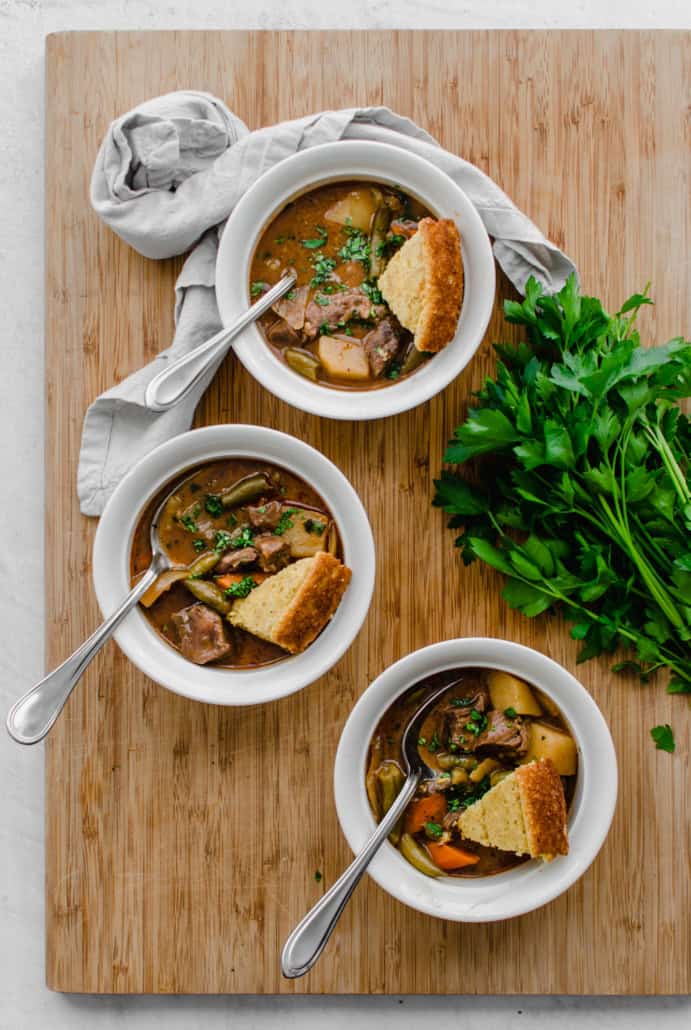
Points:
(280, 334)
(233, 560)
(266, 516)
(469, 694)
(291, 308)
(274, 552)
(201, 634)
(502, 736)
(340, 307)
(381, 346)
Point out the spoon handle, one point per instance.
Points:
(307, 941)
(177, 379)
(32, 716)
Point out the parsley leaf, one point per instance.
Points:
(318, 241)
(242, 588)
(663, 737)
(213, 505)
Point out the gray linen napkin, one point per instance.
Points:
(167, 176)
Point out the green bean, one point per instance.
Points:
(372, 785)
(390, 782)
(203, 564)
(303, 362)
(413, 359)
(246, 490)
(210, 594)
(467, 762)
(417, 856)
(380, 226)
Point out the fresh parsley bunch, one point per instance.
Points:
(582, 497)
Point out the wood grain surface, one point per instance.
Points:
(182, 840)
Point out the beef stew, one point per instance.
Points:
(487, 725)
(231, 526)
(334, 326)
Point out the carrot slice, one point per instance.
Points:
(430, 809)
(235, 577)
(449, 857)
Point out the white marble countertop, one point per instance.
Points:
(25, 1003)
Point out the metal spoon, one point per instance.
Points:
(307, 941)
(32, 716)
(177, 379)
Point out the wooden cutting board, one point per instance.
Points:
(183, 840)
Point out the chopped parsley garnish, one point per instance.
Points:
(258, 287)
(663, 737)
(422, 741)
(323, 267)
(285, 521)
(371, 290)
(478, 722)
(510, 713)
(242, 538)
(461, 702)
(356, 247)
(324, 329)
(393, 372)
(434, 830)
(312, 526)
(198, 545)
(290, 295)
(321, 300)
(284, 239)
(232, 521)
(454, 804)
(391, 243)
(213, 505)
(188, 522)
(434, 743)
(242, 588)
(480, 790)
(222, 541)
(318, 875)
(314, 244)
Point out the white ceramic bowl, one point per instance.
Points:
(378, 162)
(138, 639)
(528, 886)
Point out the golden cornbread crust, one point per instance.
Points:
(441, 304)
(314, 603)
(544, 809)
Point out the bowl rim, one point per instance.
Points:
(525, 887)
(140, 642)
(340, 161)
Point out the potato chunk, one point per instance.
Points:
(356, 209)
(308, 534)
(547, 742)
(507, 691)
(344, 359)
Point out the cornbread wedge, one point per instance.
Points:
(423, 283)
(291, 608)
(525, 813)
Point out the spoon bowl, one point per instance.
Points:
(33, 715)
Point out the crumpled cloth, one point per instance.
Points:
(166, 178)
